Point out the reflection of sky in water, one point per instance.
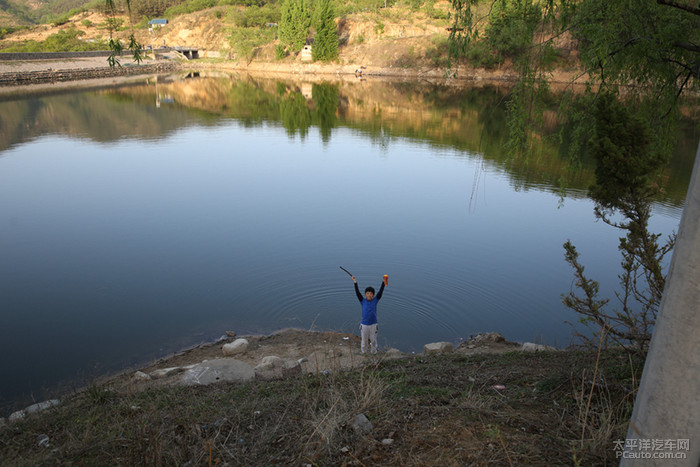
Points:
(113, 253)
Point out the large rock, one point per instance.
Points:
(164, 372)
(220, 369)
(269, 363)
(236, 347)
(393, 354)
(491, 337)
(291, 368)
(530, 347)
(20, 414)
(141, 376)
(437, 347)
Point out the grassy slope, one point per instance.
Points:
(438, 410)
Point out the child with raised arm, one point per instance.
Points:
(369, 316)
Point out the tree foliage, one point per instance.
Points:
(509, 28)
(628, 168)
(256, 16)
(115, 45)
(325, 32)
(295, 21)
(245, 41)
(651, 46)
(647, 52)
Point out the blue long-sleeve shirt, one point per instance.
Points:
(369, 307)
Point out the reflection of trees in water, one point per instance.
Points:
(295, 114)
(470, 121)
(298, 114)
(325, 97)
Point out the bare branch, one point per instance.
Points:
(687, 46)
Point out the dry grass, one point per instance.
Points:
(440, 410)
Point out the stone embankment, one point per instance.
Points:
(12, 56)
(51, 75)
(35, 68)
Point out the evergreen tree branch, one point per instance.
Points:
(680, 6)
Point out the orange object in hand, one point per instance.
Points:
(386, 279)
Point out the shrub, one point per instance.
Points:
(326, 35)
(244, 41)
(255, 16)
(60, 20)
(189, 7)
(511, 27)
(113, 24)
(280, 52)
(295, 21)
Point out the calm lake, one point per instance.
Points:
(141, 219)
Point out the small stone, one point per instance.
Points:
(387, 442)
(140, 375)
(361, 423)
(43, 441)
(236, 347)
(437, 347)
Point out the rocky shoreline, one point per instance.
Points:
(283, 354)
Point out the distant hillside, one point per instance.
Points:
(28, 12)
(14, 14)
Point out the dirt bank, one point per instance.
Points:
(303, 351)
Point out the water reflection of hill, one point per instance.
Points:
(470, 120)
(103, 116)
